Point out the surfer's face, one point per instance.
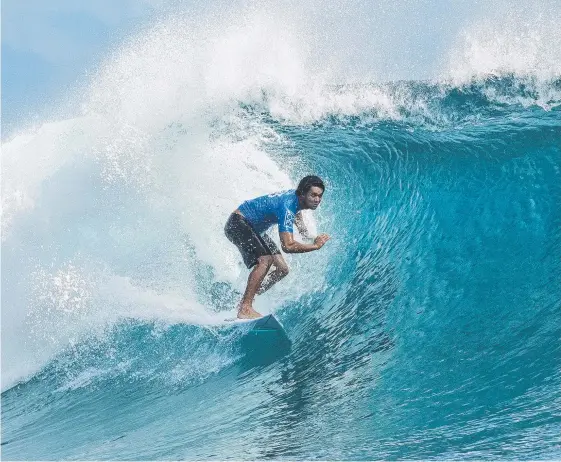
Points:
(312, 198)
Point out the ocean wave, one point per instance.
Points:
(432, 310)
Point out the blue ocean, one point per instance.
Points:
(428, 327)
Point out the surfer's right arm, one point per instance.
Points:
(289, 245)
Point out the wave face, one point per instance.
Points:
(428, 327)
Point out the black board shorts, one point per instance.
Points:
(250, 243)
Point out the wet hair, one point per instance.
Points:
(307, 183)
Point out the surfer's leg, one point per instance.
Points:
(279, 272)
(253, 283)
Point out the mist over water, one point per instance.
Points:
(428, 325)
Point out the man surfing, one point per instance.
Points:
(246, 228)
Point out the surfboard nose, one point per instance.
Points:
(268, 322)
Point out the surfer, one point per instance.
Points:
(246, 228)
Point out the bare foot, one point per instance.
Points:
(247, 312)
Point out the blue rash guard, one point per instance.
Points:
(265, 211)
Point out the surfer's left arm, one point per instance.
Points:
(301, 226)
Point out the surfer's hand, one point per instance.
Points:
(321, 240)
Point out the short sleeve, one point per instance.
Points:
(286, 221)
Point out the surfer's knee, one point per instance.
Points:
(265, 260)
(283, 270)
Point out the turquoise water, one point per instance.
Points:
(428, 327)
(434, 332)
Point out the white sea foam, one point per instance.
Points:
(112, 214)
(521, 41)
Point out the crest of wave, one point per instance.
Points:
(523, 41)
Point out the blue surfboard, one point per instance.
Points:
(264, 340)
(267, 323)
